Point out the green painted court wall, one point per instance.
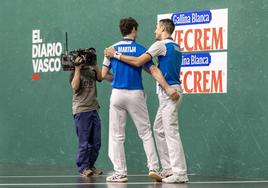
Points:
(222, 134)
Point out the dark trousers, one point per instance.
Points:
(88, 130)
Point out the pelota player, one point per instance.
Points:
(166, 125)
(128, 97)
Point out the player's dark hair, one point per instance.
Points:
(168, 25)
(126, 25)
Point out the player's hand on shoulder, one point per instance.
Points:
(109, 52)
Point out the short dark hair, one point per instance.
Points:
(168, 24)
(126, 25)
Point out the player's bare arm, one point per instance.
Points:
(105, 71)
(158, 76)
(105, 74)
(98, 72)
(134, 61)
(102, 75)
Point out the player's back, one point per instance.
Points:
(126, 76)
(170, 64)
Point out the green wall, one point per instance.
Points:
(223, 134)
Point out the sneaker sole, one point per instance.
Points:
(118, 181)
(155, 177)
(183, 181)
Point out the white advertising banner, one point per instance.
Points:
(202, 37)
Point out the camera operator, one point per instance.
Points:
(85, 113)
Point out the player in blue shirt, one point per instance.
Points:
(166, 123)
(128, 97)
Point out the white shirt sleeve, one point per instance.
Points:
(158, 48)
(106, 62)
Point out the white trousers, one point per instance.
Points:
(166, 132)
(124, 101)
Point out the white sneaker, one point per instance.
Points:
(166, 173)
(176, 179)
(117, 178)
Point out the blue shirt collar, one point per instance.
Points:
(127, 39)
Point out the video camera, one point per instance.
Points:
(88, 56)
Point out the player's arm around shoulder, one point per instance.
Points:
(156, 49)
(136, 61)
(131, 60)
